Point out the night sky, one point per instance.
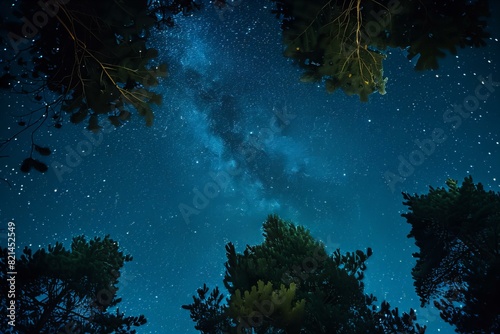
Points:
(322, 161)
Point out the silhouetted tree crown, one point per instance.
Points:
(88, 61)
(84, 60)
(344, 43)
(289, 284)
(67, 291)
(458, 265)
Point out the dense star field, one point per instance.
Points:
(175, 193)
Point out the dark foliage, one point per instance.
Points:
(458, 266)
(67, 291)
(344, 42)
(289, 284)
(165, 10)
(85, 59)
(208, 313)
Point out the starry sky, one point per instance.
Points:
(175, 193)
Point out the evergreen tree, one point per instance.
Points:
(84, 61)
(343, 43)
(458, 265)
(289, 284)
(65, 291)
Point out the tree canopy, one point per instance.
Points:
(343, 43)
(458, 266)
(286, 284)
(84, 61)
(289, 284)
(90, 61)
(67, 291)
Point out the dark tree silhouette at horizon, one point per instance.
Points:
(289, 284)
(458, 265)
(61, 290)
